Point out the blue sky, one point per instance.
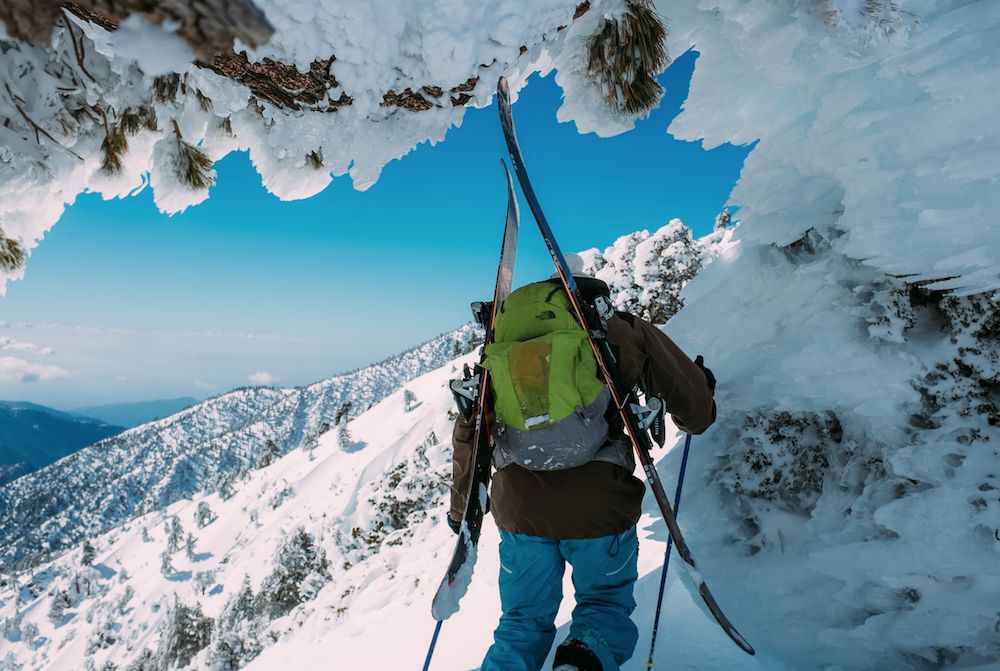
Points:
(137, 305)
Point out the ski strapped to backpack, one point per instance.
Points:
(592, 321)
(475, 386)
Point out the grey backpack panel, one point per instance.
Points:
(574, 441)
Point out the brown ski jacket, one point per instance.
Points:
(598, 498)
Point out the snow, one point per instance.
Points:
(155, 49)
(378, 48)
(842, 508)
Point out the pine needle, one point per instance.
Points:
(114, 146)
(192, 165)
(194, 168)
(625, 56)
(165, 87)
(203, 101)
(11, 254)
(134, 120)
(315, 159)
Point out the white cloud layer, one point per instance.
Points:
(263, 377)
(13, 369)
(8, 344)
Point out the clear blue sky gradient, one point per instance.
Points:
(357, 275)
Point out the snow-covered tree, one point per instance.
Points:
(235, 637)
(123, 600)
(10, 628)
(300, 570)
(270, 454)
(166, 564)
(344, 437)
(646, 273)
(723, 220)
(189, 546)
(203, 515)
(87, 554)
(175, 534)
(343, 413)
(409, 400)
(664, 264)
(203, 580)
(184, 633)
(57, 608)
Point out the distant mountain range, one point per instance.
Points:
(211, 445)
(134, 414)
(33, 436)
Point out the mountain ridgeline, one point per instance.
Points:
(208, 446)
(34, 436)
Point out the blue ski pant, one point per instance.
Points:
(531, 571)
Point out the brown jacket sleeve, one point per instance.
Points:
(461, 466)
(646, 351)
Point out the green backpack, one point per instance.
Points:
(541, 364)
(547, 397)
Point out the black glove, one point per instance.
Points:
(452, 524)
(699, 361)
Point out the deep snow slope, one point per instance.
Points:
(209, 445)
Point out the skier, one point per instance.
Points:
(565, 492)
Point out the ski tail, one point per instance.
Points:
(603, 354)
(459, 574)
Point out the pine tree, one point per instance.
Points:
(175, 535)
(409, 400)
(270, 455)
(664, 264)
(57, 609)
(235, 636)
(344, 438)
(344, 412)
(203, 580)
(203, 516)
(189, 544)
(300, 570)
(185, 632)
(166, 564)
(88, 554)
(227, 488)
(723, 219)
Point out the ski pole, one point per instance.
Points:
(434, 640)
(666, 559)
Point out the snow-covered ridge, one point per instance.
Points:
(209, 445)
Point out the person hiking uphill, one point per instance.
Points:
(563, 491)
